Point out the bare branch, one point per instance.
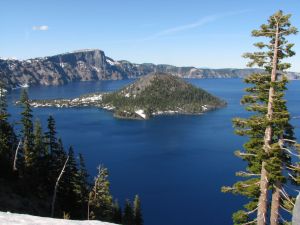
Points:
(283, 219)
(289, 151)
(292, 177)
(252, 211)
(285, 209)
(251, 222)
(286, 196)
(289, 140)
(16, 156)
(294, 168)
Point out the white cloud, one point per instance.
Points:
(42, 28)
(201, 22)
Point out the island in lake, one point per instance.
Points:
(150, 95)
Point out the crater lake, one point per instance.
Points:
(176, 164)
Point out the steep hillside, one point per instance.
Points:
(161, 94)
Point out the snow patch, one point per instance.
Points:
(23, 219)
(111, 62)
(62, 65)
(141, 113)
(96, 68)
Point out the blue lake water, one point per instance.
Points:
(177, 164)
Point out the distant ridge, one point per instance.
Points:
(93, 64)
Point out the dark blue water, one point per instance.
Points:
(177, 164)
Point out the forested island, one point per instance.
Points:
(154, 94)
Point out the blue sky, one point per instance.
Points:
(201, 33)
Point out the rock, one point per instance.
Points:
(93, 64)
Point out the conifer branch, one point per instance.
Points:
(245, 174)
(239, 153)
(294, 168)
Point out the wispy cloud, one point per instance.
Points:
(41, 28)
(201, 22)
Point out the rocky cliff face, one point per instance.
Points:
(60, 69)
(93, 64)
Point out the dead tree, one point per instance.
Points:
(56, 186)
(16, 156)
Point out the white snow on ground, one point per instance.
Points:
(108, 107)
(96, 69)
(92, 98)
(141, 113)
(88, 99)
(23, 219)
(111, 62)
(24, 85)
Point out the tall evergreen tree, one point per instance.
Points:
(116, 213)
(56, 155)
(27, 129)
(7, 137)
(67, 195)
(3, 104)
(39, 148)
(100, 199)
(82, 187)
(268, 128)
(50, 136)
(137, 211)
(128, 215)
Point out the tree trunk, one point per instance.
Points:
(262, 203)
(275, 204)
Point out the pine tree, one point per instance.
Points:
(7, 137)
(128, 217)
(268, 127)
(56, 155)
(27, 129)
(82, 187)
(3, 104)
(50, 136)
(100, 199)
(116, 213)
(137, 211)
(39, 147)
(67, 195)
(38, 167)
